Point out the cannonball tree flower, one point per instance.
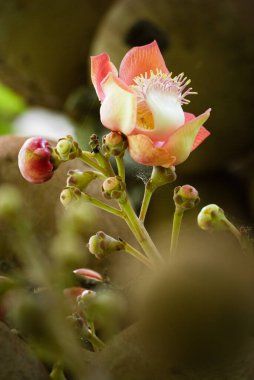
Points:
(144, 102)
(34, 160)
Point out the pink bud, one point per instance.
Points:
(34, 160)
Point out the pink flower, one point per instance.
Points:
(145, 103)
(34, 160)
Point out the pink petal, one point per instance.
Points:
(143, 150)
(201, 136)
(88, 274)
(181, 142)
(188, 116)
(100, 67)
(140, 60)
(119, 108)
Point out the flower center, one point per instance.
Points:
(160, 98)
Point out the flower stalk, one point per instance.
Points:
(120, 167)
(138, 255)
(160, 177)
(140, 233)
(177, 221)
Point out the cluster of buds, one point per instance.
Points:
(114, 188)
(38, 160)
(185, 197)
(114, 144)
(101, 245)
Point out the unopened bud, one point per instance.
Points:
(69, 195)
(35, 160)
(85, 304)
(67, 148)
(114, 188)
(212, 217)
(101, 245)
(186, 197)
(160, 177)
(115, 143)
(10, 201)
(81, 179)
(94, 143)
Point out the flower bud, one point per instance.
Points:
(85, 304)
(69, 195)
(81, 179)
(212, 217)
(10, 201)
(35, 160)
(101, 245)
(186, 197)
(114, 188)
(67, 148)
(115, 143)
(94, 143)
(160, 177)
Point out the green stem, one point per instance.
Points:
(97, 344)
(145, 203)
(85, 157)
(177, 220)
(102, 205)
(140, 232)
(57, 372)
(138, 255)
(104, 163)
(120, 167)
(237, 234)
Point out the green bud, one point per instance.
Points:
(94, 143)
(81, 179)
(186, 197)
(114, 188)
(10, 201)
(160, 177)
(101, 245)
(69, 195)
(67, 148)
(212, 217)
(115, 143)
(85, 303)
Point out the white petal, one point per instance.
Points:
(166, 109)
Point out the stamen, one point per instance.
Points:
(164, 82)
